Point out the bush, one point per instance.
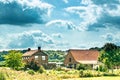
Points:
(85, 74)
(110, 74)
(89, 73)
(59, 69)
(50, 66)
(41, 69)
(83, 67)
(31, 72)
(32, 65)
(102, 68)
(2, 76)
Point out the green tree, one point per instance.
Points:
(13, 59)
(110, 55)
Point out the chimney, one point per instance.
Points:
(29, 49)
(39, 48)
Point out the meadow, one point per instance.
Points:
(51, 75)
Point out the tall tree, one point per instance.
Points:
(13, 59)
(110, 55)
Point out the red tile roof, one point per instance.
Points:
(84, 55)
(30, 53)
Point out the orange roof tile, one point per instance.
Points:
(84, 55)
(30, 53)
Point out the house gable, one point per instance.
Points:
(82, 56)
(37, 55)
(68, 57)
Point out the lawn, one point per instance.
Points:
(96, 78)
(49, 75)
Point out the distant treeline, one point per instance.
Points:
(57, 56)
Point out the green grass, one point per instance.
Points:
(63, 74)
(96, 78)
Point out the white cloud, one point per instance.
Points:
(30, 39)
(57, 35)
(33, 39)
(113, 12)
(62, 23)
(86, 2)
(108, 37)
(88, 14)
(66, 1)
(112, 37)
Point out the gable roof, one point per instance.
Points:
(84, 56)
(32, 52)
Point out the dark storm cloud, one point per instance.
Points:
(16, 13)
(106, 19)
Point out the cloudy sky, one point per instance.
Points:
(59, 24)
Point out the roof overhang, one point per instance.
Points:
(88, 62)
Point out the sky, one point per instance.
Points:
(59, 24)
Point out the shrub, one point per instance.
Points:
(83, 67)
(59, 69)
(49, 66)
(102, 68)
(32, 65)
(89, 73)
(110, 74)
(41, 69)
(2, 76)
(81, 73)
(31, 72)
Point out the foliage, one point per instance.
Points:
(2, 76)
(88, 73)
(110, 55)
(102, 68)
(41, 69)
(31, 72)
(2, 55)
(83, 67)
(13, 59)
(32, 65)
(55, 56)
(59, 69)
(2, 63)
(110, 74)
(49, 66)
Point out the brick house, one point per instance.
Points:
(75, 57)
(37, 55)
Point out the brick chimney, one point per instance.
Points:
(39, 48)
(29, 49)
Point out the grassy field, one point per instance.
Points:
(96, 78)
(49, 75)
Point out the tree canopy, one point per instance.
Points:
(13, 59)
(110, 55)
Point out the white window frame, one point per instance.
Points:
(43, 58)
(36, 57)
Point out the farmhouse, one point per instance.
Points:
(75, 57)
(37, 55)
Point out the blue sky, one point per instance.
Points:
(59, 24)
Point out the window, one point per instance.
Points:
(43, 57)
(36, 57)
(69, 59)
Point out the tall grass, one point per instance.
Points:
(2, 76)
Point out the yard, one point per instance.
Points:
(50, 75)
(96, 78)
